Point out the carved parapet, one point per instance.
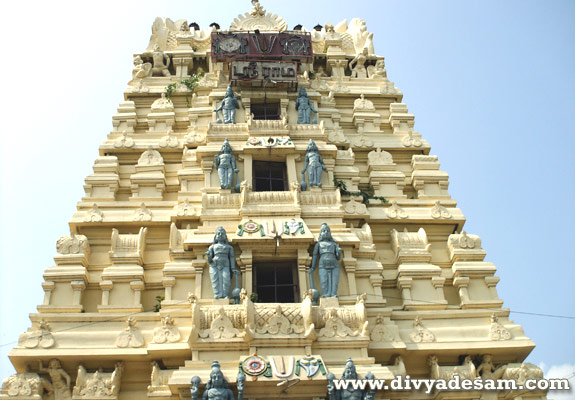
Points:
(365, 118)
(217, 201)
(427, 179)
(223, 322)
(22, 386)
(386, 180)
(421, 286)
(98, 385)
(125, 119)
(308, 131)
(476, 284)
(128, 248)
(159, 379)
(464, 247)
(219, 132)
(410, 246)
(72, 250)
(400, 120)
(177, 239)
(278, 319)
(162, 118)
(466, 370)
(103, 184)
(277, 127)
(149, 182)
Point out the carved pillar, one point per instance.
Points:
(303, 262)
(78, 287)
(377, 283)
(349, 265)
(292, 175)
(404, 284)
(48, 288)
(106, 287)
(137, 287)
(168, 283)
(125, 119)
(248, 168)
(246, 259)
(207, 166)
(462, 284)
(199, 264)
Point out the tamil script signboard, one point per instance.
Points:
(261, 70)
(256, 45)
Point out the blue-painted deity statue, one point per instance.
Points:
(314, 165)
(222, 261)
(304, 107)
(228, 107)
(327, 254)
(226, 164)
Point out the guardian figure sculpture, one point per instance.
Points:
(304, 107)
(327, 254)
(228, 107)
(314, 165)
(226, 165)
(222, 262)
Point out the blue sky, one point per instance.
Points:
(491, 84)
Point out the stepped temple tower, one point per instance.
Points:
(263, 218)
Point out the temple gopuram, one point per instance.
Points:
(263, 219)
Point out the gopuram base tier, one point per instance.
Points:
(263, 220)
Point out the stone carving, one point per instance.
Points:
(465, 371)
(142, 213)
(395, 211)
(58, 387)
(304, 107)
(94, 215)
(228, 107)
(310, 365)
(498, 331)
(141, 69)
(151, 157)
(487, 370)
(421, 334)
(334, 326)
(377, 71)
(339, 87)
(225, 163)
(131, 336)
(336, 136)
(41, 336)
(161, 62)
(362, 39)
(73, 244)
(185, 209)
(349, 393)
(159, 380)
(124, 142)
(162, 105)
(221, 327)
(220, 256)
(258, 19)
(101, 385)
(411, 141)
(520, 373)
(195, 138)
(328, 253)
(169, 140)
(141, 87)
(22, 385)
(217, 387)
(362, 104)
(381, 332)
(314, 163)
(277, 323)
(167, 332)
(379, 157)
(279, 369)
(355, 207)
(465, 241)
(440, 212)
(357, 65)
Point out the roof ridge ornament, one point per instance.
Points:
(259, 19)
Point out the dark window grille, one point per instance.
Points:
(269, 176)
(276, 283)
(266, 111)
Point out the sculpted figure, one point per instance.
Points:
(304, 107)
(217, 387)
(377, 71)
(362, 39)
(161, 63)
(226, 165)
(220, 255)
(228, 107)
(349, 393)
(141, 69)
(59, 388)
(329, 253)
(314, 165)
(357, 65)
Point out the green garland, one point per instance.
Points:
(190, 82)
(366, 195)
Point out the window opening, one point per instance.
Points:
(266, 111)
(276, 283)
(269, 176)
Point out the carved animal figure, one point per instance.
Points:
(465, 370)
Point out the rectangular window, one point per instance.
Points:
(276, 283)
(267, 110)
(269, 176)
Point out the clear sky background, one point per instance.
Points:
(491, 84)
